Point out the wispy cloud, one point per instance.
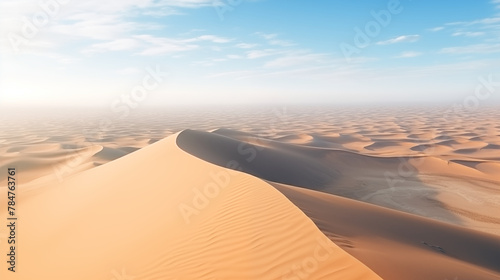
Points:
(246, 46)
(473, 49)
(468, 34)
(185, 3)
(162, 12)
(160, 45)
(115, 45)
(211, 38)
(272, 39)
(141, 5)
(266, 36)
(234, 56)
(153, 45)
(488, 28)
(281, 43)
(87, 25)
(93, 20)
(409, 54)
(253, 54)
(296, 58)
(400, 39)
(496, 3)
(490, 20)
(436, 29)
(209, 62)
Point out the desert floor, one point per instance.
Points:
(269, 192)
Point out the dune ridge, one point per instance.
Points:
(428, 186)
(161, 213)
(334, 164)
(397, 245)
(394, 244)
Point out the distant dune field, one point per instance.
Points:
(255, 193)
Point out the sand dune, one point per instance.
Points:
(397, 245)
(426, 186)
(258, 158)
(394, 244)
(160, 213)
(41, 162)
(104, 203)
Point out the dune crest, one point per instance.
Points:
(394, 244)
(425, 185)
(397, 245)
(160, 213)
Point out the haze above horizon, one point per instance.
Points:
(202, 52)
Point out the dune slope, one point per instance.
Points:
(160, 213)
(397, 245)
(427, 186)
(394, 244)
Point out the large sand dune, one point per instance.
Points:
(396, 245)
(160, 213)
(408, 193)
(424, 185)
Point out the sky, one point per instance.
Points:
(169, 52)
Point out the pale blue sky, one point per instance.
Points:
(233, 51)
